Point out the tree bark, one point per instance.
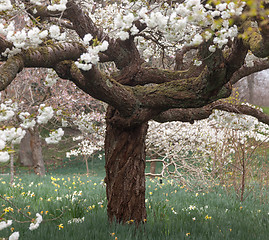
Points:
(25, 151)
(125, 172)
(250, 81)
(152, 169)
(36, 146)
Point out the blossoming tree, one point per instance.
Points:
(201, 45)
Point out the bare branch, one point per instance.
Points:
(246, 71)
(192, 114)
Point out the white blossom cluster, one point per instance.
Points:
(5, 5)
(27, 120)
(7, 110)
(44, 114)
(21, 39)
(55, 33)
(37, 222)
(9, 136)
(189, 23)
(25, 38)
(55, 136)
(91, 57)
(5, 224)
(61, 6)
(51, 78)
(14, 236)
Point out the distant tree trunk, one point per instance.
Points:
(152, 169)
(11, 168)
(25, 151)
(125, 172)
(250, 80)
(36, 147)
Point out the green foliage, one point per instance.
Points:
(266, 110)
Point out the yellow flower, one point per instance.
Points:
(241, 207)
(188, 234)
(8, 209)
(150, 193)
(61, 226)
(130, 221)
(207, 217)
(112, 234)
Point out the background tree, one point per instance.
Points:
(202, 46)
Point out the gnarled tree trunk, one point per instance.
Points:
(125, 172)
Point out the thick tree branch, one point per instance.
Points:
(51, 54)
(100, 86)
(47, 57)
(9, 70)
(192, 114)
(242, 109)
(246, 71)
(141, 75)
(183, 93)
(184, 115)
(236, 58)
(180, 57)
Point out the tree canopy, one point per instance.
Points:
(173, 60)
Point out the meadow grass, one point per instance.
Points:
(174, 212)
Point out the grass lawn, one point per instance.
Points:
(73, 207)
